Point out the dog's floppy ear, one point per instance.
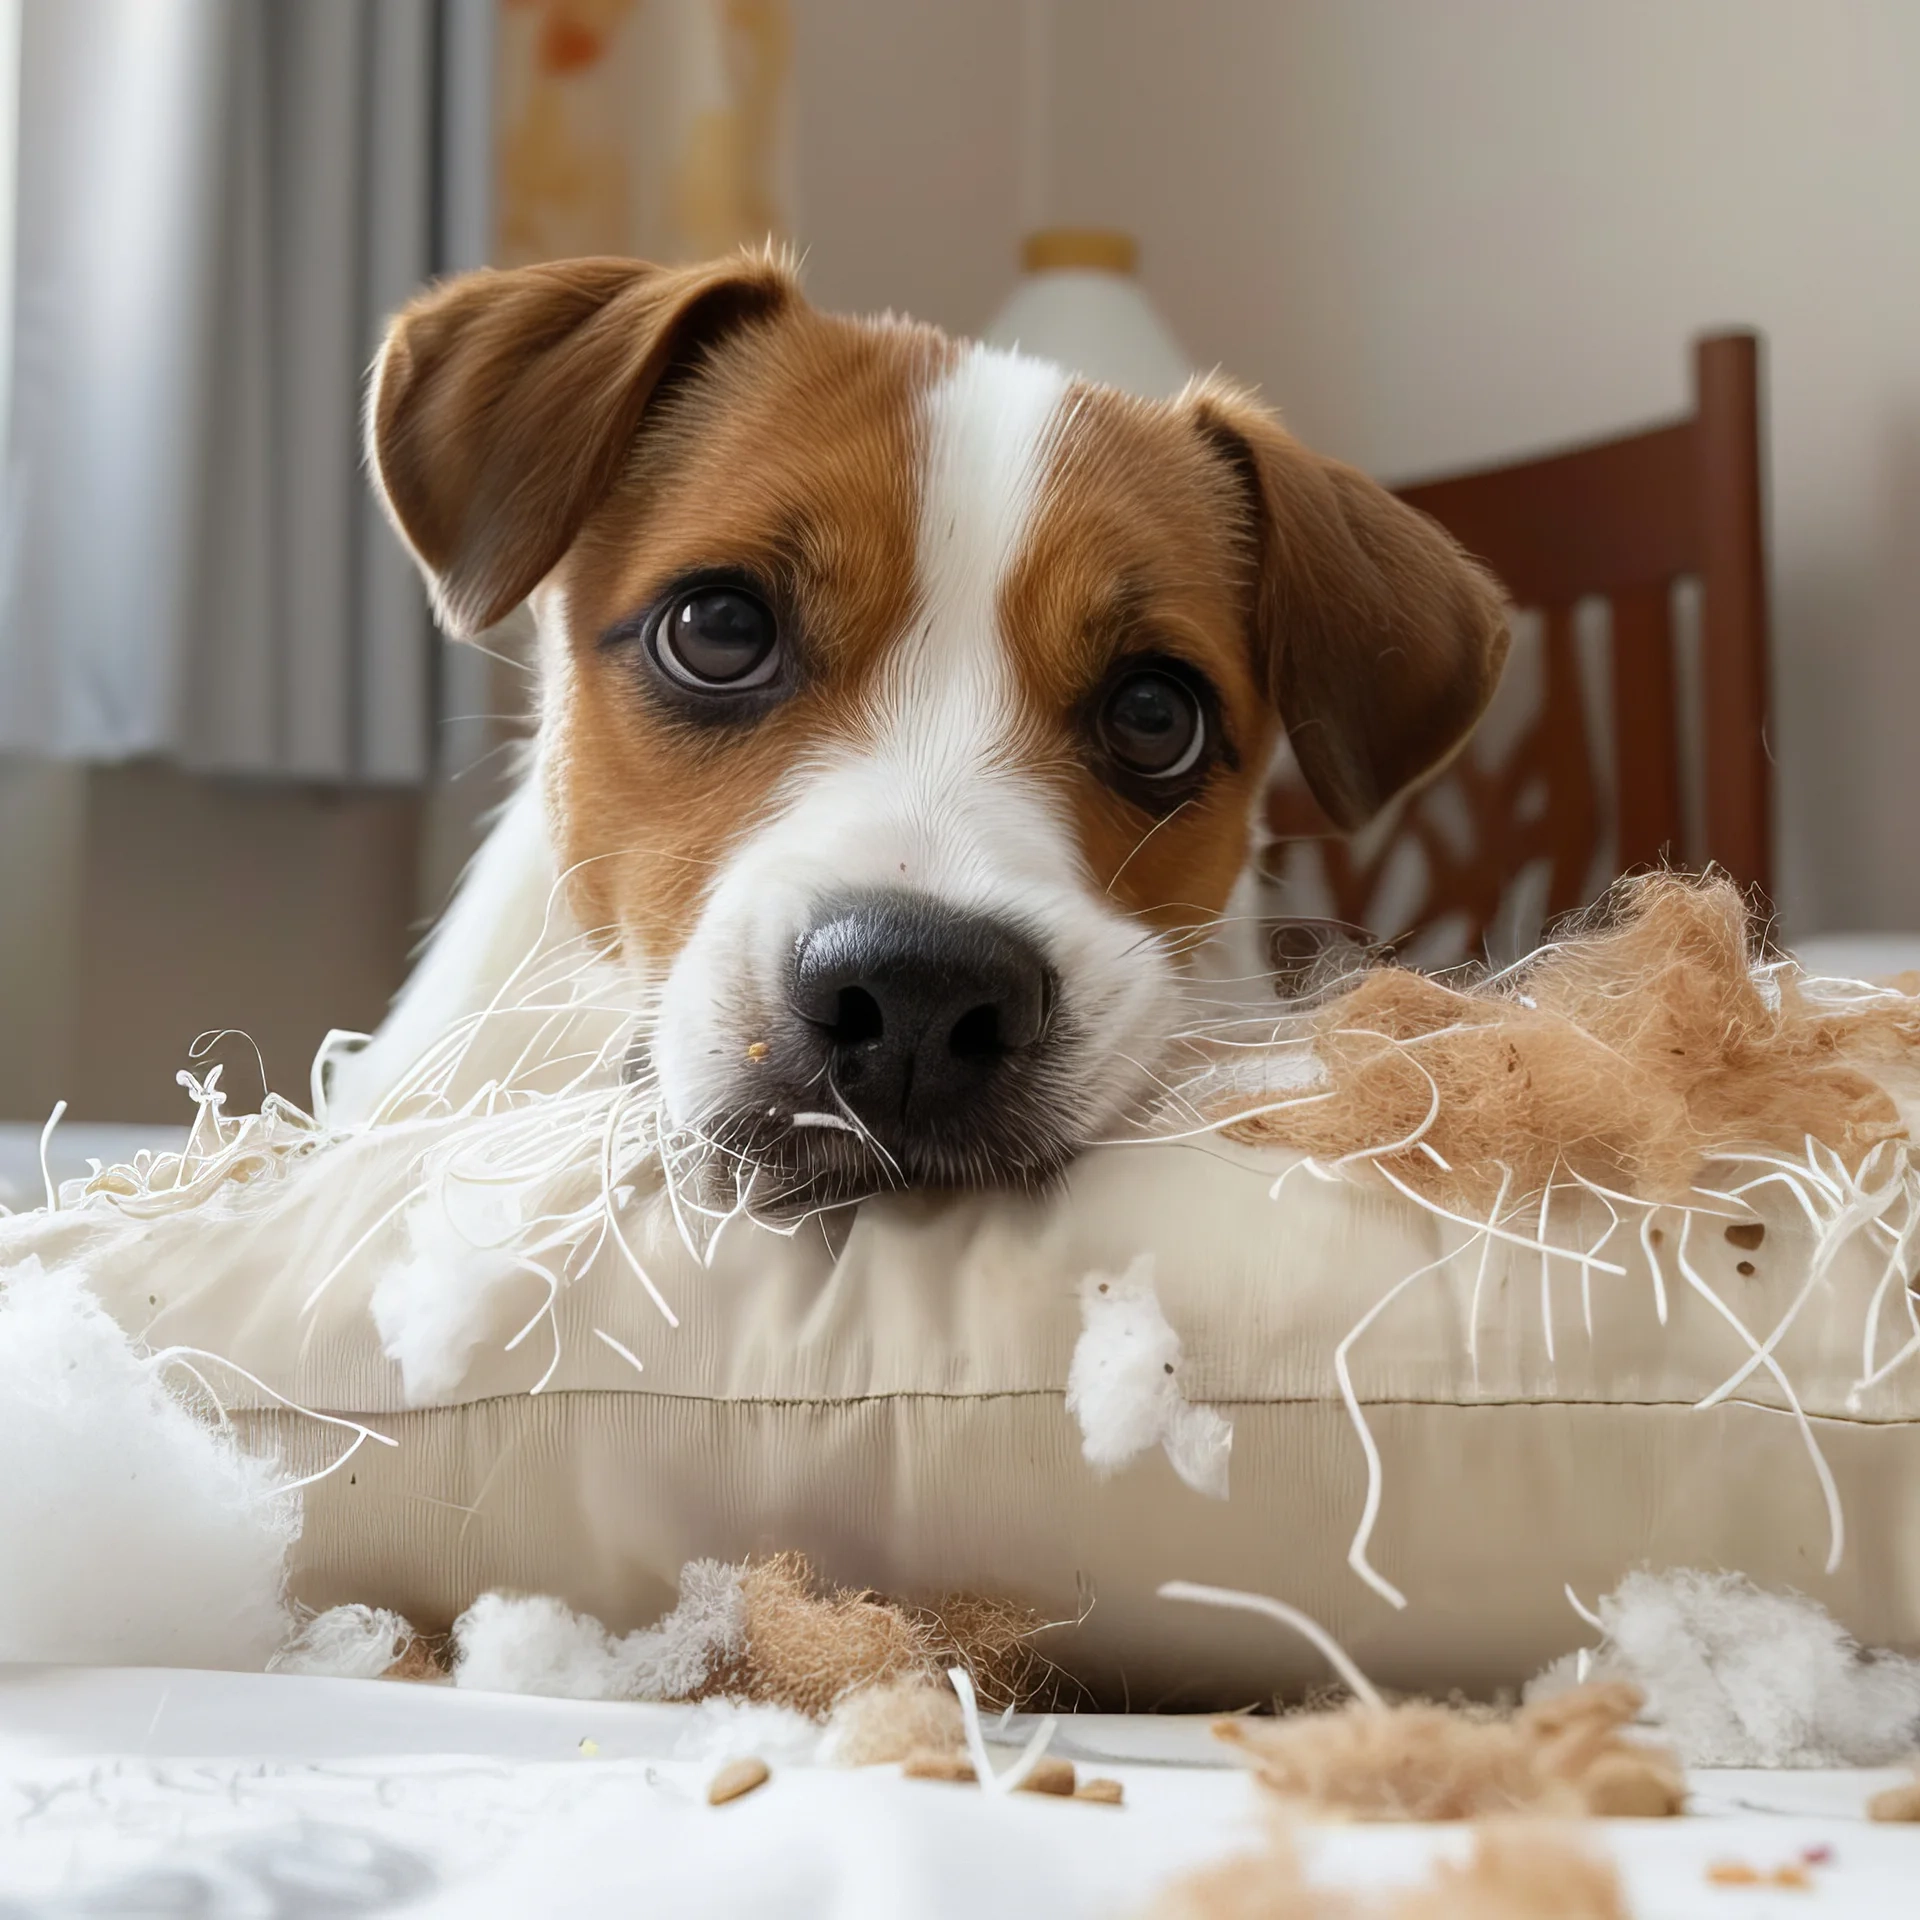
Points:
(504, 404)
(1380, 639)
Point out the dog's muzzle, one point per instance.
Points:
(916, 1048)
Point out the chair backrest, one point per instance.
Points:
(1622, 521)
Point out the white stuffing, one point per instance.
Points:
(1736, 1676)
(732, 1729)
(435, 1304)
(135, 1534)
(507, 1643)
(345, 1643)
(1124, 1385)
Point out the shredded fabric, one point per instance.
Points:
(137, 1534)
(1124, 1385)
(347, 1643)
(536, 1644)
(1735, 1676)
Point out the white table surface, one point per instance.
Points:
(229, 1795)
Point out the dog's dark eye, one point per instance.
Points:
(723, 638)
(1152, 725)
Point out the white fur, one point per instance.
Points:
(935, 798)
(506, 913)
(1123, 1385)
(131, 1532)
(1736, 1676)
(505, 1643)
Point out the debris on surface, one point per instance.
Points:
(1125, 1390)
(1518, 1870)
(1564, 1756)
(737, 1777)
(1736, 1676)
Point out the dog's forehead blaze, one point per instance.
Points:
(808, 434)
(1139, 542)
(801, 433)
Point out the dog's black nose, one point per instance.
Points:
(921, 1010)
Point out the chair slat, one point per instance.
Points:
(1733, 609)
(1620, 514)
(1573, 811)
(1646, 736)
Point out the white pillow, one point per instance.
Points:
(896, 1407)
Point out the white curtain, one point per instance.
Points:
(217, 203)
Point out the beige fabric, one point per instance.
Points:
(897, 1412)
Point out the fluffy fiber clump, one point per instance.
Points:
(1124, 1386)
(510, 1643)
(1740, 1677)
(1625, 1052)
(876, 1726)
(1563, 1756)
(769, 1632)
(135, 1533)
(356, 1643)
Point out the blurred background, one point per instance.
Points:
(238, 774)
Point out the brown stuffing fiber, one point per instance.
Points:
(810, 1644)
(1625, 1051)
(1896, 1803)
(1565, 1756)
(1517, 1871)
(877, 1725)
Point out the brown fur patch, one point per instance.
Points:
(792, 457)
(503, 405)
(1137, 546)
(1381, 641)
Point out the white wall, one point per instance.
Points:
(1442, 231)
(907, 154)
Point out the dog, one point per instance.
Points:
(906, 706)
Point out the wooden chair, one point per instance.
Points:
(1621, 520)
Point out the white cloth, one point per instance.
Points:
(230, 1795)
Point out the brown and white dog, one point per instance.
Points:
(905, 705)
